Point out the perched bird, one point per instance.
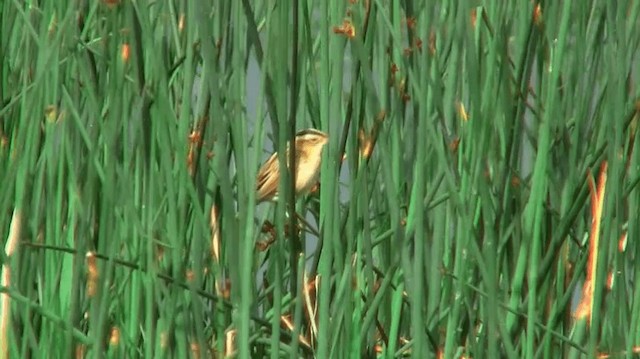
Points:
(308, 144)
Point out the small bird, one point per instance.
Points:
(308, 144)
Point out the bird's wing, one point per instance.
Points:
(268, 177)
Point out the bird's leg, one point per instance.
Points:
(315, 188)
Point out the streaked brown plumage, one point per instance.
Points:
(309, 144)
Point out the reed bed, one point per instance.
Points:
(478, 196)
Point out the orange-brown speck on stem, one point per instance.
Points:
(111, 3)
(124, 52)
(537, 15)
(347, 29)
(411, 22)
